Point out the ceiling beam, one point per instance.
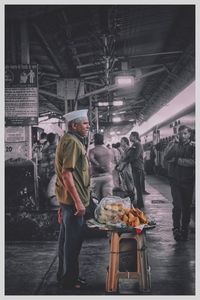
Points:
(99, 91)
(93, 83)
(152, 73)
(85, 43)
(152, 54)
(91, 73)
(68, 35)
(51, 94)
(48, 49)
(90, 65)
(13, 44)
(89, 53)
(48, 67)
(50, 75)
(147, 66)
(48, 84)
(51, 104)
(92, 77)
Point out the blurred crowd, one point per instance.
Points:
(110, 169)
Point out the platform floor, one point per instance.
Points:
(30, 267)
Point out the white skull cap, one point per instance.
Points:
(76, 114)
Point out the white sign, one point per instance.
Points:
(16, 150)
(21, 95)
(15, 134)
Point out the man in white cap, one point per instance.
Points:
(72, 192)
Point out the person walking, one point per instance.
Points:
(143, 185)
(100, 158)
(73, 194)
(180, 158)
(114, 163)
(135, 158)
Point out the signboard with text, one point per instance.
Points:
(21, 95)
(16, 150)
(16, 142)
(16, 134)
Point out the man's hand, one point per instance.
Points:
(69, 183)
(176, 139)
(100, 169)
(80, 209)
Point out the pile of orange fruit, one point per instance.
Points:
(133, 217)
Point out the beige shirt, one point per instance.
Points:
(71, 154)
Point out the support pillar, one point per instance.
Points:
(93, 115)
(25, 59)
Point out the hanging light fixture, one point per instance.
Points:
(124, 81)
(118, 103)
(116, 119)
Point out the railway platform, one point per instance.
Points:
(30, 267)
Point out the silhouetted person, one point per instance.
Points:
(124, 168)
(135, 158)
(180, 156)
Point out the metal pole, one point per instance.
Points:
(25, 59)
(76, 98)
(97, 118)
(66, 111)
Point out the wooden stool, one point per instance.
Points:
(142, 272)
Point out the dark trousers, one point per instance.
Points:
(182, 200)
(70, 241)
(138, 182)
(143, 181)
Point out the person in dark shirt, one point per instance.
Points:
(179, 155)
(125, 171)
(135, 158)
